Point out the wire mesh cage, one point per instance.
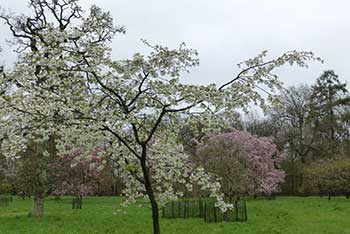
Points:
(5, 201)
(77, 203)
(183, 209)
(206, 209)
(214, 214)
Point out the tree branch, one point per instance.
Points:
(243, 72)
(123, 141)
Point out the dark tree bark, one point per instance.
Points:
(149, 191)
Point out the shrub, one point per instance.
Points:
(329, 177)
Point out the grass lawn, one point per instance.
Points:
(287, 215)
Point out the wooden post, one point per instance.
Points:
(172, 209)
(236, 210)
(245, 212)
(215, 215)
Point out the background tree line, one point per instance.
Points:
(311, 125)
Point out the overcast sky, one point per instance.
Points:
(226, 32)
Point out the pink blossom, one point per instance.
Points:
(261, 159)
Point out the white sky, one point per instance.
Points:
(226, 32)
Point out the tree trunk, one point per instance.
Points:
(150, 192)
(39, 193)
(38, 205)
(155, 216)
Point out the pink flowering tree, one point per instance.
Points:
(75, 175)
(245, 163)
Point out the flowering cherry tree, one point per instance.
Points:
(245, 163)
(66, 83)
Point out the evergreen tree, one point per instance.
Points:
(329, 99)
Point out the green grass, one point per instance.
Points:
(287, 215)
